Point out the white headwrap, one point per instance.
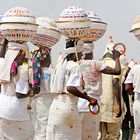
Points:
(12, 52)
(109, 46)
(59, 71)
(88, 48)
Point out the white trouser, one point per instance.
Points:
(40, 115)
(16, 130)
(63, 121)
(89, 125)
(136, 111)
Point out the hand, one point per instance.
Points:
(116, 54)
(93, 101)
(118, 111)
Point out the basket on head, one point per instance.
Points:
(47, 33)
(135, 29)
(18, 24)
(73, 22)
(96, 30)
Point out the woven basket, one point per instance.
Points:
(18, 32)
(46, 37)
(97, 28)
(47, 33)
(73, 29)
(73, 22)
(96, 31)
(18, 24)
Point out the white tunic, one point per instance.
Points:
(15, 123)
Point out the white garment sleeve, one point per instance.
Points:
(74, 77)
(100, 65)
(129, 78)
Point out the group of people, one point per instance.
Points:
(60, 107)
(80, 98)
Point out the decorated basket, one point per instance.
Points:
(73, 22)
(18, 24)
(47, 33)
(135, 29)
(97, 29)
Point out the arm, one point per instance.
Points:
(129, 88)
(73, 90)
(117, 94)
(115, 71)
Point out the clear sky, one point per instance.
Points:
(118, 14)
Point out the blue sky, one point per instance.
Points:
(118, 14)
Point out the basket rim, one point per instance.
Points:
(24, 23)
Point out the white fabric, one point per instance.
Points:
(57, 77)
(91, 71)
(59, 71)
(22, 87)
(63, 121)
(12, 108)
(12, 52)
(131, 64)
(134, 78)
(9, 58)
(92, 82)
(66, 125)
(16, 130)
(88, 48)
(45, 80)
(41, 106)
(109, 46)
(1, 65)
(17, 46)
(89, 126)
(70, 50)
(136, 112)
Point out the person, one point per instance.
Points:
(15, 123)
(46, 37)
(66, 84)
(132, 87)
(128, 121)
(91, 71)
(111, 99)
(41, 102)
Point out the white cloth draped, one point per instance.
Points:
(12, 52)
